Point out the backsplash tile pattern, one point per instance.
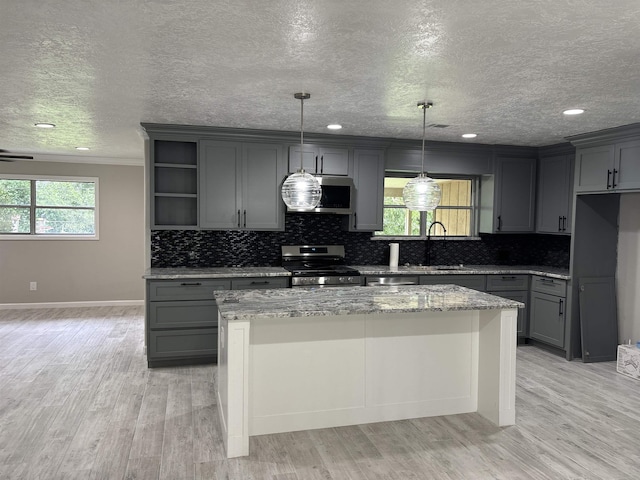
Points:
(208, 248)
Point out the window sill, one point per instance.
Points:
(48, 237)
(433, 237)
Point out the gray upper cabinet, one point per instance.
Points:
(320, 160)
(507, 201)
(610, 167)
(553, 212)
(368, 178)
(174, 184)
(240, 185)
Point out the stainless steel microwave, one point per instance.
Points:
(337, 196)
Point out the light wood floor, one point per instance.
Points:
(77, 401)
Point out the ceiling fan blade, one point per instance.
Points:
(9, 157)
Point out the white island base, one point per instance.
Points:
(299, 373)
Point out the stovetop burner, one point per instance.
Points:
(318, 265)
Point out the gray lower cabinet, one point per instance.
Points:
(182, 321)
(513, 287)
(548, 310)
(475, 282)
(182, 317)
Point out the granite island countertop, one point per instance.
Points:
(303, 302)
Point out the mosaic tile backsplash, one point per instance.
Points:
(208, 248)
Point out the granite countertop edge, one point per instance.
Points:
(238, 272)
(284, 303)
(551, 272)
(213, 272)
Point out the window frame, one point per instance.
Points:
(474, 208)
(32, 206)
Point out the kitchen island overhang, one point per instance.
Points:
(302, 359)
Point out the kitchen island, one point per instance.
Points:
(297, 359)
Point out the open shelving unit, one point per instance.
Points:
(175, 184)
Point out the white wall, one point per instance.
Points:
(104, 270)
(628, 273)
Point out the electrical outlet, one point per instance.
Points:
(33, 286)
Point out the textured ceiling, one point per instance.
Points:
(502, 69)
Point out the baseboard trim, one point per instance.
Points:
(105, 303)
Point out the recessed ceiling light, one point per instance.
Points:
(334, 126)
(469, 135)
(45, 125)
(82, 148)
(573, 111)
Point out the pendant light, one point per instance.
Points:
(301, 191)
(422, 193)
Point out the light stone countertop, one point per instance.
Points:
(550, 272)
(214, 272)
(229, 272)
(303, 302)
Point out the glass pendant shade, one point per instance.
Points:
(301, 191)
(421, 193)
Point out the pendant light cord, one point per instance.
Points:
(424, 128)
(301, 132)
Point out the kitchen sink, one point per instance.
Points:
(431, 268)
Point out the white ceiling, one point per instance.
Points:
(502, 69)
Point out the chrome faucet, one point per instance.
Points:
(429, 238)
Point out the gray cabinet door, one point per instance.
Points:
(368, 179)
(333, 161)
(553, 195)
(320, 160)
(220, 200)
(182, 344)
(598, 318)
(523, 313)
(627, 166)
(309, 158)
(547, 317)
(514, 195)
(262, 177)
(183, 314)
(594, 168)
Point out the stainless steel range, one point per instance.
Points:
(318, 266)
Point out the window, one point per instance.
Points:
(50, 207)
(456, 210)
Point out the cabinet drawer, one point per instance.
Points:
(475, 282)
(183, 314)
(552, 286)
(507, 282)
(259, 283)
(187, 289)
(199, 342)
